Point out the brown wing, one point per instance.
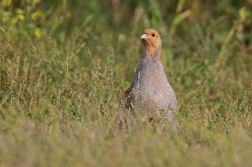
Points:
(125, 100)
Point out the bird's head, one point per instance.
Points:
(152, 42)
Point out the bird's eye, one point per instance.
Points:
(153, 35)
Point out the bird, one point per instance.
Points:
(150, 89)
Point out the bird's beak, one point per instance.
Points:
(144, 36)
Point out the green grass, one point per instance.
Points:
(64, 65)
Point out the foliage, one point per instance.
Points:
(64, 65)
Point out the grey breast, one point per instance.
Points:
(151, 85)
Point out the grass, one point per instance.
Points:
(64, 65)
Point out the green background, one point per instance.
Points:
(65, 64)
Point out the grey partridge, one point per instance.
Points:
(150, 89)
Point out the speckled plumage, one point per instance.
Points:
(150, 88)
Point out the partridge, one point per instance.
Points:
(150, 89)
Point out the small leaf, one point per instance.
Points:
(37, 32)
(37, 14)
(20, 17)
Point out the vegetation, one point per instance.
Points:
(64, 65)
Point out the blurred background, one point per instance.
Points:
(115, 17)
(64, 64)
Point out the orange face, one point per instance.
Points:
(152, 42)
(151, 38)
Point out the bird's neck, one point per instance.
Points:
(150, 70)
(150, 52)
(151, 63)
